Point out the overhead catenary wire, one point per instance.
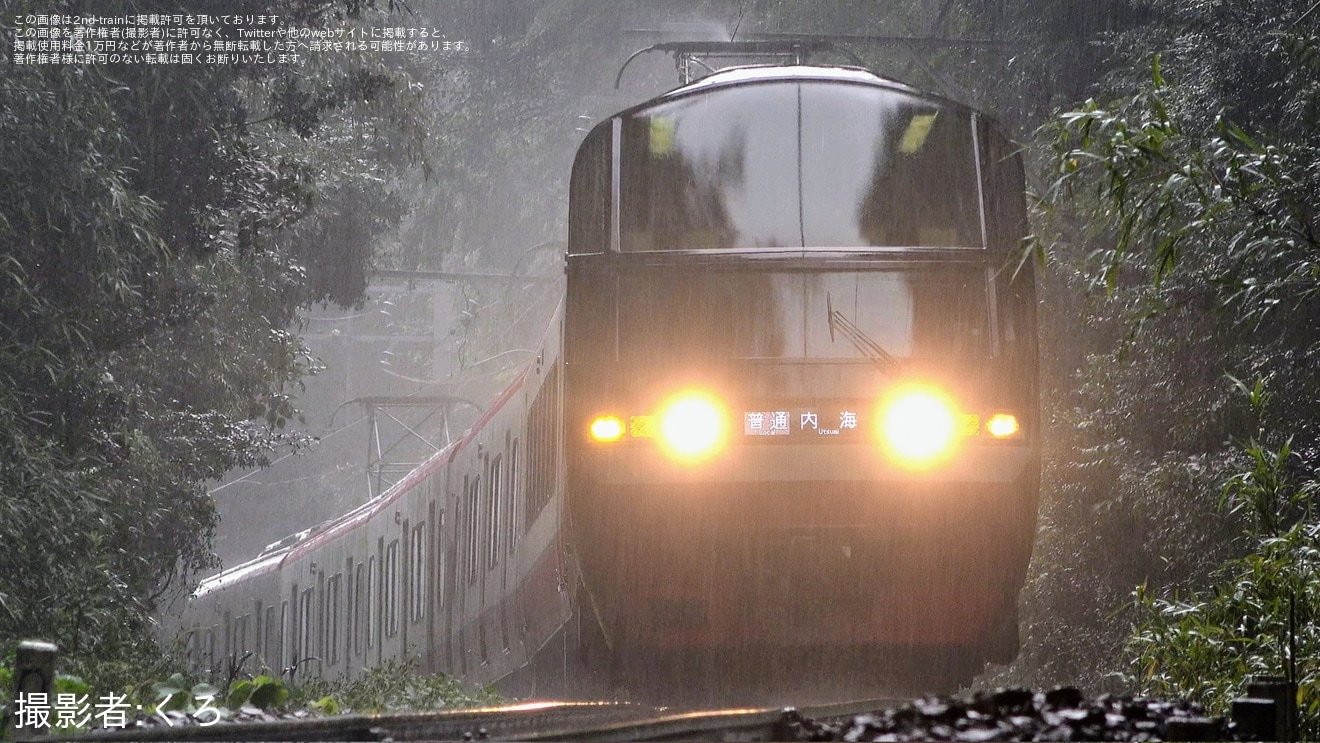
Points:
(330, 435)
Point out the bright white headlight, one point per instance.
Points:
(918, 425)
(693, 425)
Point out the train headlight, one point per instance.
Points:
(918, 425)
(1002, 425)
(693, 425)
(606, 428)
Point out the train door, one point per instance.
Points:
(284, 641)
(432, 650)
(402, 578)
(494, 577)
(448, 536)
(258, 632)
(291, 630)
(504, 540)
(352, 597)
(467, 538)
(479, 556)
(438, 622)
(374, 634)
(227, 642)
(511, 568)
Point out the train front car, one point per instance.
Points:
(801, 369)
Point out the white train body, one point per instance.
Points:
(460, 566)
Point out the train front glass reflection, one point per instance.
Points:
(935, 313)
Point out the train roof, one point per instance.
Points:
(266, 561)
(276, 553)
(764, 73)
(754, 74)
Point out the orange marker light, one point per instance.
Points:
(1002, 425)
(606, 428)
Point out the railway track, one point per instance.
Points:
(599, 722)
(751, 724)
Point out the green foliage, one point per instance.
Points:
(263, 692)
(158, 233)
(66, 684)
(1178, 213)
(1266, 487)
(1258, 614)
(1242, 205)
(326, 705)
(1260, 618)
(178, 694)
(396, 686)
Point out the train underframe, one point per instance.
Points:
(783, 588)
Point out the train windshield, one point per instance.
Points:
(798, 164)
(885, 316)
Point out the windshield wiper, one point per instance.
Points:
(860, 340)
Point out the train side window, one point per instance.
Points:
(347, 618)
(440, 560)
(1002, 179)
(284, 634)
(589, 193)
(372, 612)
(531, 502)
(227, 640)
(292, 643)
(473, 514)
(510, 510)
(389, 586)
(330, 622)
(495, 491)
(1006, 225)
(442, 579)
(417, 584)
(270, 644)
(360, 602)
(542, 447)
(460, 533)
(306, 646)
(190, 651)
(351, 599)
(258, 631)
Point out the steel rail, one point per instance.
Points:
(502, 723)
(600, 722)
(751, 724)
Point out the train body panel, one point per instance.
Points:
(788, 406)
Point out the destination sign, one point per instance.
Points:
(801, 422)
